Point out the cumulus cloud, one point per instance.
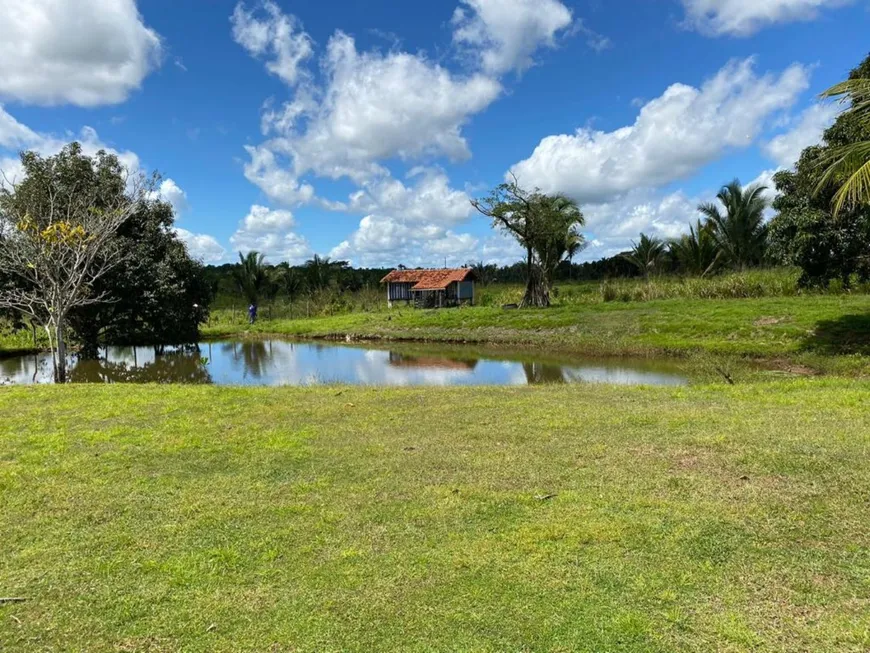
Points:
(15, 136)
(83, 52)
(202, 247)
(368, 107)
(379, 106)
(386, 241)
(276, 37)
(270, 232)
(172, 193)
(429, 199)
(612, 226)
(785, 149)
(673, 137)
(409, 223)
(745, 17)
(505, 34)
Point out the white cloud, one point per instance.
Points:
(202, 247)
(15, 136)
(745, 17)
(84, 52)
(388, 242)
(270, 232)
(170, 192)
(277, 37)
(379, 106)
(262, 220)
(409, 223)
(370, 107)
(278, 183)
(785, 149)
(673, 137)
(505, 34)
(430, 198)
(500, 249)
(612, 226)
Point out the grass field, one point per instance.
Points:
(537, 519)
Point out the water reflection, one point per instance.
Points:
(279, 362)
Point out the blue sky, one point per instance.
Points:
(361, 130)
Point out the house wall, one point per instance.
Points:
(397, 292)
(466, 290)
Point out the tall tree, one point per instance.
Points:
(159, 293)
(697, 252)
(827, 238)
(511, 209)
(546, 227)
(251, 275)
(740, 231)
(60, 237)
(647, 255)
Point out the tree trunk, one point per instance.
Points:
(537, 294)
(60, 356)
(90, 340)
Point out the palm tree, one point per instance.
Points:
(740, 232)
(646, 255)
(697, 252)
(556, 236)
(849, 164)
(321, 271)
(251, 276)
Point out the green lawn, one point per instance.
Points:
(829, 332)
(583, 518)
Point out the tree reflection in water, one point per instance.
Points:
(182, 366)
(540, 373)
(254, 356)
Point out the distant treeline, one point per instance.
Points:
(319, 274)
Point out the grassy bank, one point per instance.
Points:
(569, 519)
(14, 342)
(828, 332)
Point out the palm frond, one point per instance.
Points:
(854, 91)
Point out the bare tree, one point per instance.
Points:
(58, 239)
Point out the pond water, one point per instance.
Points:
(280, 362)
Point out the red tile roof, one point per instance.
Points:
(429, 279)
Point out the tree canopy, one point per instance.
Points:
(89, 248)
(546, 226)
(808, 230)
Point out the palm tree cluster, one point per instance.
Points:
(256, 280)
(733, 234)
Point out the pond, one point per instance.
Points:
(282, 362)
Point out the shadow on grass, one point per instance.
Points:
(849, 334)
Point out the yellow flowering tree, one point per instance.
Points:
(58, 237)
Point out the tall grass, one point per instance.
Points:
(322, 303)
(776, 282)
(19, 340)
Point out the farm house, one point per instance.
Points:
(430, 288)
